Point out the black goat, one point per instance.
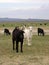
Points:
(17, 35)
(6, 31)
(40, 31)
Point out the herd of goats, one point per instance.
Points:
(18, 35)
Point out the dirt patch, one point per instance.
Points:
(34, 31)
(24, 60)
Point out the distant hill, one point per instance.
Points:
(19, 20)
(10, 19)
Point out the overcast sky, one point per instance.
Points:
(24, 9)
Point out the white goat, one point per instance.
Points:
(28, 34)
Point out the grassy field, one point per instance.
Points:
(34, 24)
(36, 54)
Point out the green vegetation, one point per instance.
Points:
(13, 24)
(40, 46)
(36, 54)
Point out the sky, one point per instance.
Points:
(24, 9)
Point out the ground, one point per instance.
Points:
(24, 60)
(36, 54)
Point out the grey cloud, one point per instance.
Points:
(42, 12)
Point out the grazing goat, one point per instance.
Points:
(17, 35)
(40, 31)
(6, 31)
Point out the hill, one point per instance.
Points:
(20, 20)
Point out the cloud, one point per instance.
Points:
(16, 1)
(24, 8)
(15, 6)
(42, 13)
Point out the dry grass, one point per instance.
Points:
(36, 54)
